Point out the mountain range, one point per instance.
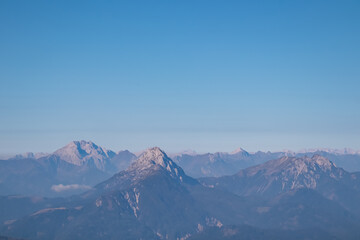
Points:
(80, 165)
(150, 200)
(222, 163)
(70, 170)
(286, 174)
(285, 198)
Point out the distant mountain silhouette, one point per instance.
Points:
(221, 163)
(286, 198)
(69, 170)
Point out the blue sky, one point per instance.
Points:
(203, 75)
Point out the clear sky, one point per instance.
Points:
(203, 75)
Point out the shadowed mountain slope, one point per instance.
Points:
(155, 199)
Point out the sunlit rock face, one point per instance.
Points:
(282, 175)
(85, 152)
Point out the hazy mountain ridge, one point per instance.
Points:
(75, 167)
(221, 163)
(151, 194)
(29, 155)
(82, 164)
(155, 199)
(299, 192)
(86, 153)
(37, 177)
(285, 174)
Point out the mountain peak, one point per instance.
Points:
(289, 173)
(152, 156)
(295, 165)
(80, 152)
(155, 159)
(86, 145)
(155, 150)
(239, 150)
(322, 161)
